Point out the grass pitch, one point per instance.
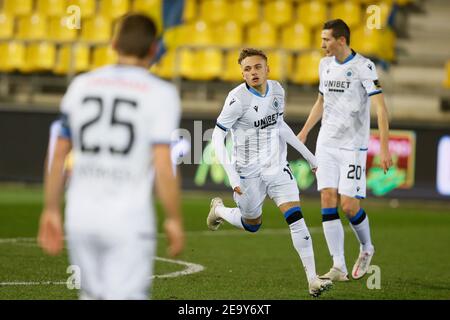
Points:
(411, 243)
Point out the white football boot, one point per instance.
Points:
(336, 275)
(213, 221)
(317, 286)
(362, 264)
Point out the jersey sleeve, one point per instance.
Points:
(232, 110)
(369, 78)
(165, 122)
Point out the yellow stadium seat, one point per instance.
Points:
(51, 7)
(204, 64)
(96, 29)
(348, 11)
(296, 37)
(196, 33)
(165, 67)
(317, 39)
(306, 70)
(189, 10)
(39, 56)
(312, 13)
(246, 11)
(151, 8)
(32, 27)
(366, 41)
(278, 12)
(6, 26)
(214, 11)
(229, 34)
(208, 64)
(262, 35)
(13, 56)
(60, 31)
(279, 63)
(103, 55)
(232, 70)
(87, 7)
(72, 58)
(447, 75)
(18, 7)
(185, 66)
(114, 8)
(388, 40)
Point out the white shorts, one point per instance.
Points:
(344, 170)
(113, 267)
(281, 188)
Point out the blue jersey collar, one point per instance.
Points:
(255, 92)
(350, 57)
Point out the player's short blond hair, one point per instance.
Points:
(249, 52)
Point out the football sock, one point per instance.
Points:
(231, 215)
(360, 226)
(334, 235)
(302, 241)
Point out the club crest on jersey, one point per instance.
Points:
(276, 104)
(348, 73)
(256, 108)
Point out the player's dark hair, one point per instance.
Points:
(249, 52)
(339, 29)
(135, 35)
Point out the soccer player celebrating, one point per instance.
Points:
(118, 120)
(348, 86)
(253, 113)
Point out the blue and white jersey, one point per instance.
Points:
(253, 120)
(113, 116)
(346, 88)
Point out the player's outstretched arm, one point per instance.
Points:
(218, 138)
(313, 118)
(288, 135)
(169, 192)
(50, 235)
(377, 100)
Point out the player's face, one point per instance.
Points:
(254, 70)
(329, 43)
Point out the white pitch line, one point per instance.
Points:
(191, 268)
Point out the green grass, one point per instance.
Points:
(411, 250)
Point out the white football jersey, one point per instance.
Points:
(253, 120)
(346, 88)
(114, 115)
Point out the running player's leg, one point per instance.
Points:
(327, 183)
(282, 188)
(247, 215)
(352, 188)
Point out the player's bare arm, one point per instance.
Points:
(51, 236)
(383, 126)
(168, 191)
(314, 116)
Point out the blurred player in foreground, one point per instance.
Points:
(348, 86)
(253, 113)
(118, 120)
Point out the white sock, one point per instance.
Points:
(362, 232)
(231, 215)
(303, 244)
(334, 234)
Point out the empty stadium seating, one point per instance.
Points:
(306, 68)
(214, 32)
